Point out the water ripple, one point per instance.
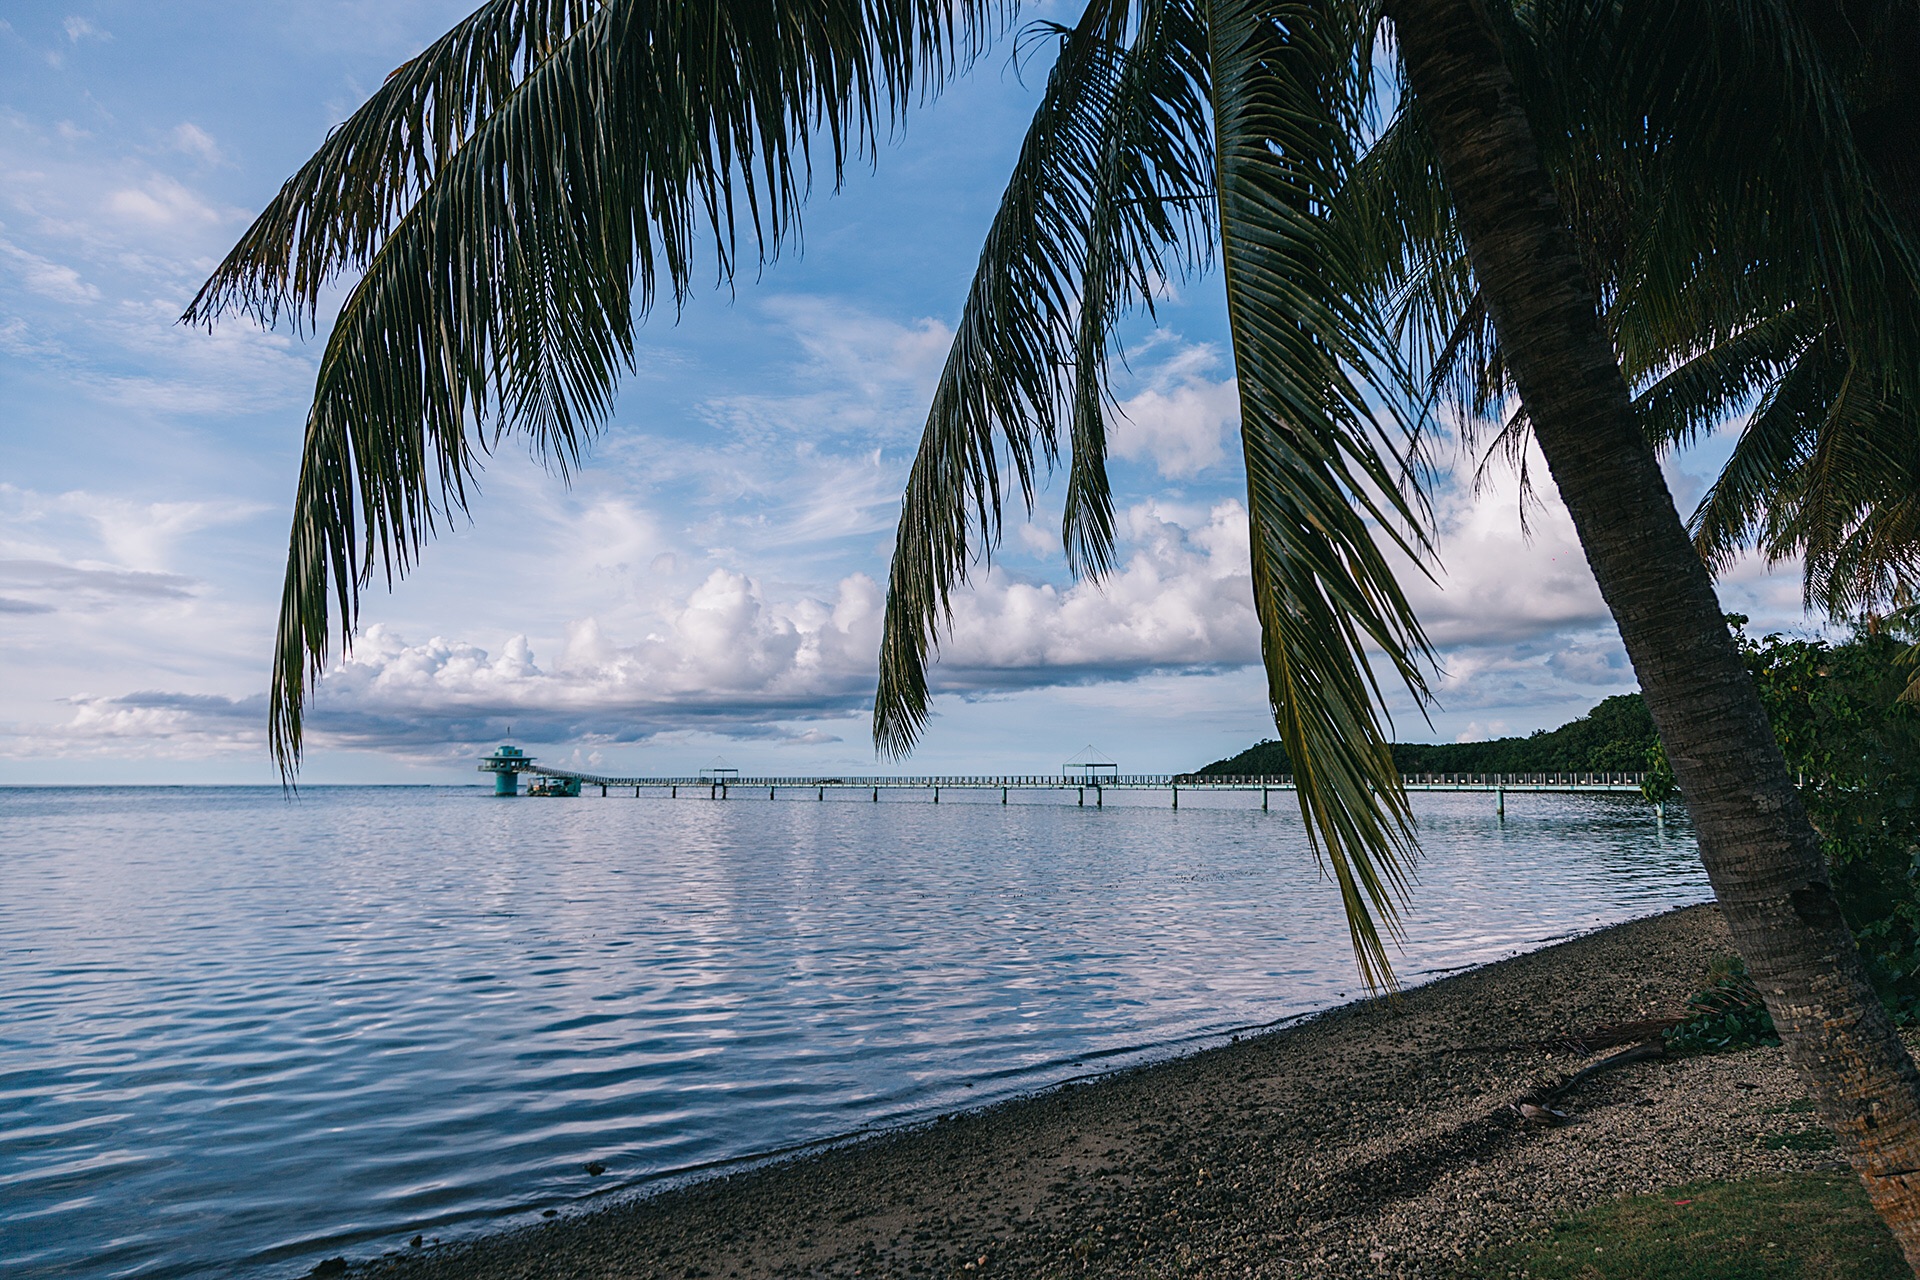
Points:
(239, 1034)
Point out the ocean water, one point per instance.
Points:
(239, 1034)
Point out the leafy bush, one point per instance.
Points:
(1855, 746)
(1729, 1014)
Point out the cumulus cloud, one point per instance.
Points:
(1519, 629)
(727, 657)
(1180, 599)
(1499, 583)
(730, 655)
(733, 658)
(177, 726)
(1180, 419)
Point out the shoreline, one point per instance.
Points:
(1371, 1138)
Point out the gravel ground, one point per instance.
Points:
(1376, 1139)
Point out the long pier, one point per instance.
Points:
(723, 784)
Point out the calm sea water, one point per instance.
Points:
(239, 1034)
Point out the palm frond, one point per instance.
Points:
(1850, 509)
(1775, 443)
(1290, 97)
(1157, 143)
(507, 294)
(331, 216)
(1735, 205)
(1096, 211)
(1710, 385)
(1769, 91)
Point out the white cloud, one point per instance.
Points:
(726, 651)
(108, 531)
(197, 142)
(1180, 419)
(163, 203)
(78, 29)
(62, 586)
(854, 348)
(858, 375)
(1498, 582)
(1181, 598)
(52, 280)
(732, 657)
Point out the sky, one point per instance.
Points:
(709, 586)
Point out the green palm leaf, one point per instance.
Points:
(504, 299)
(1102, 200)
(1153, 195)
(1775, 444)
(1290, 97)
(1124, 146)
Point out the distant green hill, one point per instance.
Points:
(1612, 738)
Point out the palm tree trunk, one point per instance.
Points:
(1760, 851)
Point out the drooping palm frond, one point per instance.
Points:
(1273, 152)
(1106, 196)
(1315, 363)
(1710, 386)
(1773, 93)
(1154, 197)
(505, 296)
(1850, 511)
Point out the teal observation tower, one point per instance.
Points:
(508, 763)
(505, 766)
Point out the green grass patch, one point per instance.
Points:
(1801, 1140)
(1800, 1226)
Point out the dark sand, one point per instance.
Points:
(1373, 1139)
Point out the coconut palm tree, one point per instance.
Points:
(1710, 302)
(515, 196)
(1760, 852)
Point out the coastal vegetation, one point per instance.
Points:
(517, 195)
(1850, 732)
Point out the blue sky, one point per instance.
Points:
(710, 583)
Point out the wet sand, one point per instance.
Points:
(1373, 1139)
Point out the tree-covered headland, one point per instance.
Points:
(1614, 737)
